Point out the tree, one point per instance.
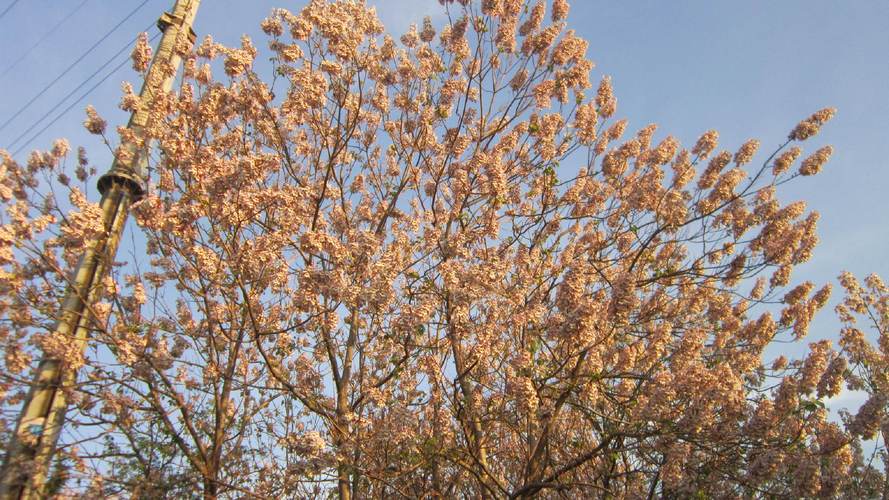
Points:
(437, 268)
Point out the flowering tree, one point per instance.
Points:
(437, 267)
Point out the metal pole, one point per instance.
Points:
(28, 455)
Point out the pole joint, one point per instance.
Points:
(124, 176)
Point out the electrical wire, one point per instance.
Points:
(72, 66)
(8, 8)
(73, 91)
(42, 39)
(75, 103)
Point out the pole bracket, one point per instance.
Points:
(168, 19)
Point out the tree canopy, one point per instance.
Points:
(435, 266)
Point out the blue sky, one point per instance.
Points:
(748, 69)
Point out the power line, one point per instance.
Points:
(69, 68)
(75, 103)
(42, 39)
(8, 8)
(73, 91)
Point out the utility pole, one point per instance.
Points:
(29, 454)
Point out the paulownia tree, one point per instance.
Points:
(437, 266)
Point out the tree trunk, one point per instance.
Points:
(210, 489)
(343, 483)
